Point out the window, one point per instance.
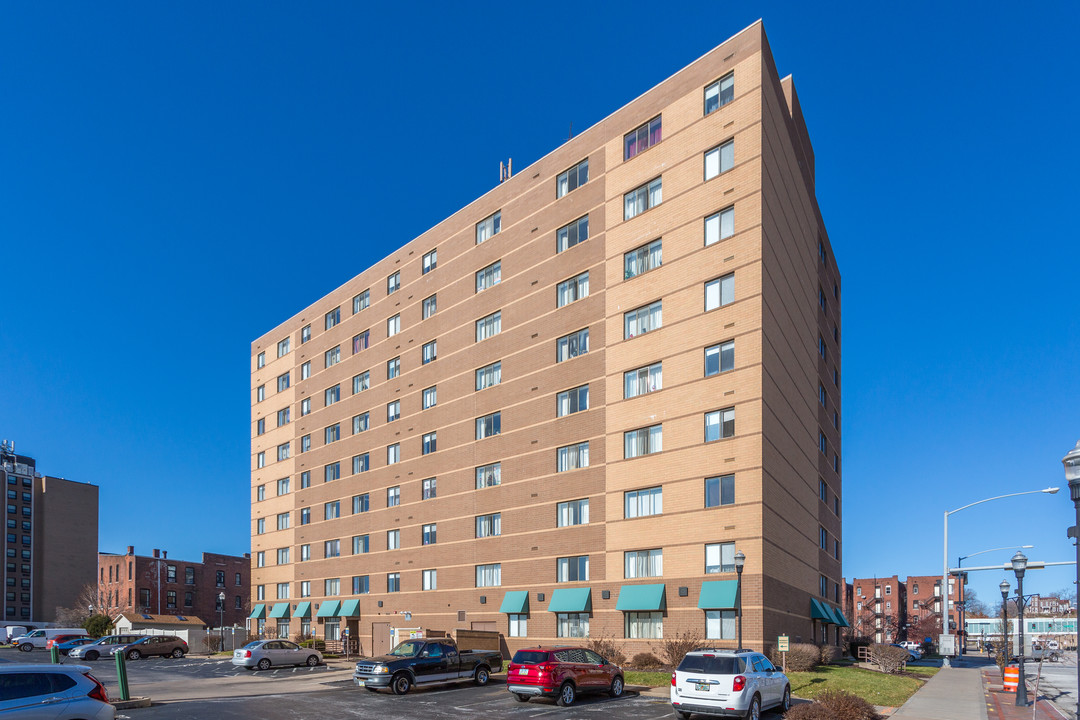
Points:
(644, 441)
(305, 443)
(283, 556)
(489, 326)
(429, 262)
(572, 625)
(332, 318)
(488, 227)
(430, 397)
(720, 557)
(572, 569)
(283, 521)
(573, 512)
(283, 451)
(643, 380)
(428, 444)
(720, 292)
(170, 599)
(823, 491)
(360, 341)
(489, 575)
(283, 348)
(640, 503)
(644, 624)
(360, 585)
(305, 370)
(331, 395)
(717, 95)
(720, 358)
(430, 580)
(572, 179)
(572, 345)
(360, 423)
(360, 504)
(821, 298)
(720, 226)
(260, 393)
(430, 352)
(641, 138)
(720, 624)
(260, 361)
(393, 326)
(361, 301)
(429, 307)
(642, 320)
(719, 424)
(332, 510)
(428, 534)
(572, 457)
(518, 624)
(332, 549)
(489, 375)
(570, 235)
(332, 356)
(305, 516)
(823, 538)
(488, 425)
(393, 539)
(283, 382)
(332, 587)
(332, 472)
(428, 489)
(645, 258)
(283, 486)
(823, 443)
(260, 426)
(393, 582)
(332, 433)
(393, 411)
(393, 283)
(489, 276)
(393, 368)
(821, 347)
(260, 462)
(305, 406)
(393, 496)
(823, 587)
(260, 526)
(719, 159)
(260, 593)
(260, 495)
(823, 398)
(305, 479)
(719, 491)
(305, 555)
(488, 525)
(643, 563)
(361, 382)
(571, 401)
(488, 475)
(643, 198)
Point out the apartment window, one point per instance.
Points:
(488, 425)
(823, 587)
(428, 534)
(720, 292)
(393, 582)
(393, 326)
(332, 549)
(573, 289)
(489, 276)
(283, 521)
(518, 624)
(430, 580)
(720, 557)
(430, 352)
(570, 235)
(305, 588)
(489, 575)
(572, 569)
(488, 475)
(644, 624)
(428, 489)
(260, 361)
(332, 318)
(283, 451)
(393, 368)
(260, 593)
(305, 370)
(283, 486)
(393, 411)
(641, 138)
(305, 516)
(836, 463)
(642, 320)
(642, 198)
(836, 377)
(572, 345)
(360, 341)
(332, 356)
(332, 587)
(393, 283)
(283, 382)
(260, 495)
(260, 393)
(393, 496)
(393, 539)
(361, 301)
(644, 441)
(643, 380)
(720, 226)
(430, 397)
(572, 457)
(429, 262)
(360, 585)
(305, 444)
(360, 423)
(360, 504)
(489, 326)
(361, 382)
(821, 298)
(283, 556)
(332, 472)
(823, 538)
(573, 512)
(823, 398)
(428, 444)
(489, 375)
(719, 424)
(305, 406)
(572, 625)
(260, 426)
(717, 95)
(283, 348)
(488, 525)
(643, 563)
(821, 347)
(305, 555)
(332, 433)
(572, 179)
(642, 503)
(823, 491)
(331, 395)
(719, 159)
(719, 358)
(429, 307)
(642, 259)
(719, 491)
(823, 443)
(488, 227)
(720, 624)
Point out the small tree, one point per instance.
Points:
(606, 647)
(98, 625)
(674, 647)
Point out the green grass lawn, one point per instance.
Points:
(874, 687)
(648, 679)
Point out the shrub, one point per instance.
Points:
(213, 643)
(853, 643)
(646, 661)
(889, 659)
(605, 647)
(800, 657)
(834, 705)
(674, 648)
(809, 711)
(829, 654)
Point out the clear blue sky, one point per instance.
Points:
(167, 169)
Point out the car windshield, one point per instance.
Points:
(409, 648)
(529, 657)
(712, 665)
(252, 645)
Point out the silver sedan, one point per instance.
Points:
(264, 654)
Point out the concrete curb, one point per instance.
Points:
(135, 702)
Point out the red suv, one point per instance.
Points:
(561, 673)
(60, 639)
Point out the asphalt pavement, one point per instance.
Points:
(1057, 682)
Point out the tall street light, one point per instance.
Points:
(221, 619)
(1004, 588)
(740, 560)
(962, 630)
(945, 572)
(1019, 565)
(1072, 474)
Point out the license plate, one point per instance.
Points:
(359, 683)
(701, 687)
(523, 671)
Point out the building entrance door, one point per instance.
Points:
(380, 638)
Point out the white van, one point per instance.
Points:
(38, 638)
(9, 633)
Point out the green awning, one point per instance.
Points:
(718, 595)
(571, 600)
(641, 597)
(515, 602)
(820, 611)
(303, 610)
(280, 610)
(350, 608)
(258, 612)
(328, 609)
(841, 621)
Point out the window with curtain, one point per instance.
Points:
(489, 525)
(720, 624)
(643, 441)
(572, 569)
(642, 320)
(573, 289)
(572, 345)
(642, 259)
(719, 424)
(488, 475)
(572, 457)
(360, 341)
(643, 380)
(489, 276)
(572, 625)
(488, 425)
(332, 472)
(570, 235)
(489, 575)
(332, 356)
(488, 227)
(645, 625)
(641, 503)
(361, 301)
(360, 463)
(720, 557)
(489, 326)
(572, 179)
(361, 382)
(574, 512)
(489, 375)
(643, 563)
(571, 401)
(642, 198)
(360, 423)
(642, 138)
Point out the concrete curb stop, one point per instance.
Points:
(135, 702)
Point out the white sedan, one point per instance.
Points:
(263, 654)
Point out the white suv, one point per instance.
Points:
(729, 684)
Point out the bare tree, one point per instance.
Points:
(89, 602)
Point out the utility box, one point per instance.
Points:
(947, 645)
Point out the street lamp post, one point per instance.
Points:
(963, 583)
(1019, 565)
(740, 560)
(945, 572)
(1072, 474)
(221, 619)
(1004, 588)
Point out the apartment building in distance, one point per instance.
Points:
(572, 406)
(50, 539)
(156, 585)
(888, 609)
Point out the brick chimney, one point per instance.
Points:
(131, 550)
(157, 553)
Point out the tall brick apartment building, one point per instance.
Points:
(889, 609)
(564, 409)
(158, 585)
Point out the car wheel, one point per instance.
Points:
(401, 684)
(616, 687)
(26, 647)
(682, 714)
(785, 704)
(1054, 657)
(312, 660)
(264, 664)
(134, 655)
(754, 711)
(567, 694)
(520, 698)
(371, 689)
(92, 655)
(177, 653)
(481, 676)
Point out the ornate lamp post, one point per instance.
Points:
(1072, 474)
(1004, 588)
(221, 619)
(1019, 565)
(740, 560)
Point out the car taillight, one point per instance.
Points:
(247, 653)
(738, 683)
(98, 693)
(545, 668)
(672, 679)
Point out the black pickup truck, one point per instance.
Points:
(425, 661)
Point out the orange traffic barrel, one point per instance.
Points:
(1012, 678)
